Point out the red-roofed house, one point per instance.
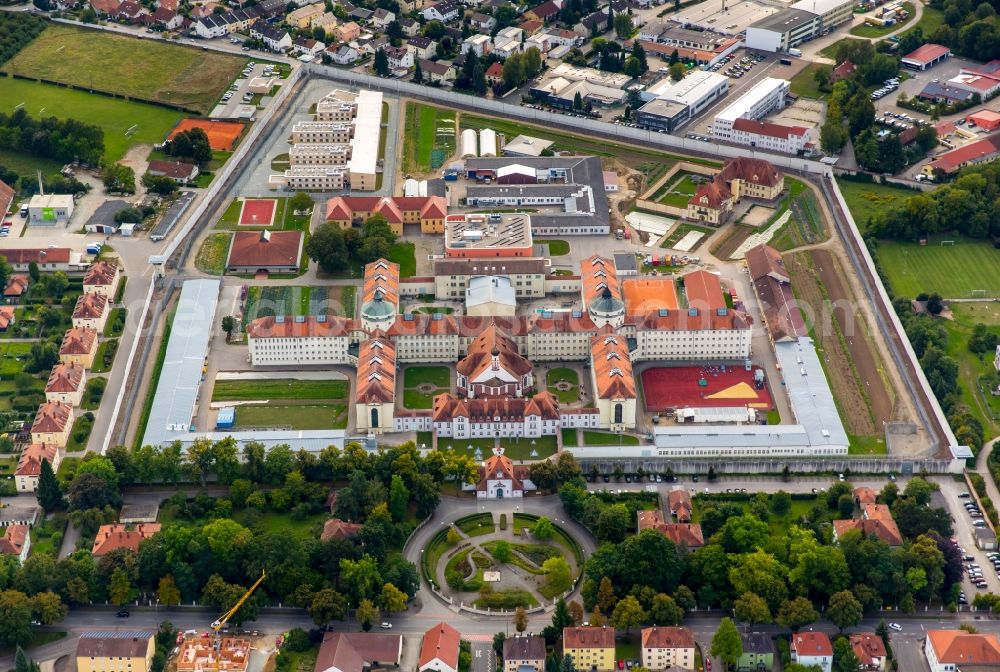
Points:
(770, 136)
(91, 311)
(498, 479)
(427, 211)
(842, 71)
(113, 537)
(272, 252)
(178, 171)
(52, 424)
(105, 6)
(988, 120)
(102, 278)
(15, 541)
(664, 648)
(870, 651)
(960, 651)
(439, 651)
(494, 74)
(710, 203)
(7, 194)
(17, 285)
(980, 151)
(65, 384)
(812, 648)
(79, 346)
(6, 317)
(679, 503)
(29, 465)
(376, 388)
(926, 56)
(339, 529)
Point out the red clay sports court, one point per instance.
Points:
(258, 212)
(668, 387)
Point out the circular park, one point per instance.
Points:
(502, 561)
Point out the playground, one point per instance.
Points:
(705, 387)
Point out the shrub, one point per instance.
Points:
(503, 521)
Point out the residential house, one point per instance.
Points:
(129, 11)
(52, 424)
(480, 45)
(112, 537)
(444, 11)
(592, 24)
(303, 17)
(531, 26)
(65, 384)
(345, 54)
(666, 648)
(679, 503)
(167, 19)
(842, 71)
(91, 311)
(7, 317)
(421, 47)
(979, 151)
(307, 46)
(17, 285)
(29, 465)
(334, 528)
(960, 651)
(178, 171)
(876, 520)
(758, 652)
(439, 650)
(79, 346)
(438, 72)
(499, 479)
(48, 259)
(870, 651)
(505, 47)
(219, 25)
(494, 74)
(482, 23)
(812, 648)
(105, 7)
(327, 21)
(522, 653)
(358, 651)
(271, 8)
(400, 58)
(590, 648)
(15, 541)
(360, 14)
(410, 27)
(346, 32)
(545, 12)
(687, 534)
(381, 18)
(274, 39)
(111, 651)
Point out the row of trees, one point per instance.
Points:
(63, 140)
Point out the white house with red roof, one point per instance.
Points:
(812, 648)
(499, 479)
(439, 651)
(15, 541)
(770, 136)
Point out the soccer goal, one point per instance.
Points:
(947, 242)
(978, 293)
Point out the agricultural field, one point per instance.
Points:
(167, 73)
(681, 231)
(430, 132)
(963, 270)
(864, 199)
(298, 300)
(972, 369)
(805, 227)
(149, 124)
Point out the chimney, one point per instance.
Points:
(265, 236)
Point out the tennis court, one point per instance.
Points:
(258, 212)
(222, 135)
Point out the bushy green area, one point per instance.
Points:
(16, 30)
(212, 254)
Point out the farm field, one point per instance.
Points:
(211, 257)
(953, 271)
(114, 115)
(168, 73)
(433, 130)
(681, 231)
(866, 198)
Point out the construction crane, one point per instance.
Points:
(224, 619)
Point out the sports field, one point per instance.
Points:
(953, 271)
(116, 116)
(702, 387)
(222, 135)
(430, 134)
(258, 212)
(167, 73)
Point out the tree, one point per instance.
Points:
(561, 617)
(327, 605)
(33, 271)
(567, 664)
(623, 25)
(50, 496)
(418, 73)
(301, 202)
(327, 248)
(167, 593)
(118, 179)
(844, 658)
(577, 101)
(392, 600)
(605, 595)
(120, 587)
(367, 613)
(228, 324)
(543, 529)
(502, 551)
(822, 77)
(381, 63)
(677, 72)
(628, 612)
(751, 608)
(665, 611)
(781, 503)
(520, 619)
(48, 608)
(726, 642)
(558, 575)
(159, 184)
(399, 498)
(845, 610)
(22, 663)
(795, 613)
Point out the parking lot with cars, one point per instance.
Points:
(239, 91)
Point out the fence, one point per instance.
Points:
(680, 465)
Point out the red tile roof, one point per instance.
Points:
(65, 378)
(17, 284)
(90, 306)
(177, 170)
(440, 642)
(382, 276)
(6, 197)
(447, 407)
(842, 71)
(52, 417)
(711, 195)
(987, 148)
(957, 647)
(679, 503)
(376, 372)
(30, 462)
(311, 326)
(754, 171)
(265, 249)
(688, 534)
(768, 128)
(482, 350)
(927, 53)
(356, 651)
(498, 467)
(101, 273)
(704, 291)
(339, 529)
(6, 316)
(494, 71)
(588, 638)
(612, 367)
(346, 207)
(13, 539)
(51, 255)
(667, 638)
(599, 273)
(811, 644)
(884, 530)
(868, 647)
(113, 537)
(78, 341)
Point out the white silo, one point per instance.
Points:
(469, 143)
(411, 187)
(487, 142)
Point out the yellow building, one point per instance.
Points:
(304, 16)
(79, 346)
(590, 648)
(111, 651)
(52, 424)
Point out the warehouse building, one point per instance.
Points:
(925, 57)
(673, 104)
(763, 98)
(831, 13)
(50, 209)
(663, 115)
(784, 30)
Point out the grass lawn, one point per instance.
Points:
(116, 322)
(678, 192)
(970, 366)
(878, 31)
(416, 400)
(272, 521)
(418, 375)
(681, 231)
(954, 271)
(865, 198)
(293, 416)
(41, 535)
(830, 51)
(114, 115)
(211, 257)
(477, 524)
(630, 649)
(568, 437)
(514, 448)
(431, 310)
(12, 357)
(564, 374)
(25, 164)
(91, 399)
(593, 438)
(557, 248)
(167, 73)
(427, 129)
(402, 253)
(867, 445)
(280, 388)
(804, 84)
(79, 435)
(102, 349)
(7, 466)
(930, 21)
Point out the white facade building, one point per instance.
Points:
(763, 98)
(771, 137)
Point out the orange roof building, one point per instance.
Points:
(590, 648)
(649, 294)
(948, 650)
(812, 648)
(115, 536)
(427, 211)
(15, 541)
(52, 424)
(876, 521)
(17, 285)
(102, 278)
(602, 293)
(439, 650)
(29, 465)
(65, 384)
(666, 648)
(198, 655)
(339, 529)
(91, 311)
(688, 534)
(493, 367)
(869, 650)
(7, 317)
(380, 295)
(265, 251)
(704, 291)
(612, 379)
(499, 479)
(679, 503)
(79, 345)
(742, 177)
(376, 385)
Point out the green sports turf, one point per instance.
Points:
(953, 271)
(168, 73)
(114, 115)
